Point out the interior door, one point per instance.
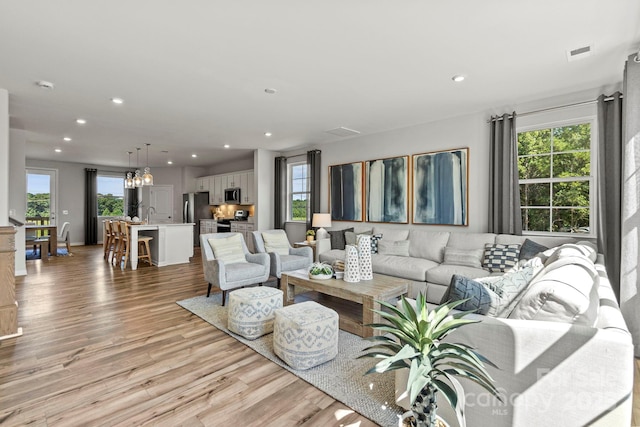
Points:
(41, 196)
(161, 198)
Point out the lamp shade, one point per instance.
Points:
(321, 220)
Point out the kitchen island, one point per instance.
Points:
(172, 243)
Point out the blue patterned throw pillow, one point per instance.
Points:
(481, 298)
(499, 257)
(374, 243)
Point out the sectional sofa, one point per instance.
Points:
(564, 352)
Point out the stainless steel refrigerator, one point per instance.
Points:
(195, 206)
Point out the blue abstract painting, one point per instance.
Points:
(440, 182)
(345, 192)
(387, 190)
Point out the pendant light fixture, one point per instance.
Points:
(128, 183)
(137, 180)
(147, 178)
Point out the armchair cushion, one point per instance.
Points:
(294, 262)
(228, 250)
(243, 270)
(276, 242)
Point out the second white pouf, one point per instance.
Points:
(251, 310)
(305, 335)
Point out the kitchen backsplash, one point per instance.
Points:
(227, 211)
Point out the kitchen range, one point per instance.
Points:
(224, 225)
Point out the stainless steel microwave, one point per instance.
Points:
(232, 196)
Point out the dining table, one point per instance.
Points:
(52, 231)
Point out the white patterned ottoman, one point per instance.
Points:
(251, 310)
(305, 335)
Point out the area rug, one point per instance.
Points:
(341, 378)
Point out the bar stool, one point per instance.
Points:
(107, 240)
(123, 247)
(144, 252)
(116, 241)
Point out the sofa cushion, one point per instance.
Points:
(337, 238)
(580, 249)
(428, 244)
(468, 257)
(470, 240)
(374, 243)
(276, 242)
(565, 291)
(393, 247)
(401, 266)
(351, 237)
(392, 233)
(441, 274)
(229, 249)
(499, 257)
(529, 249)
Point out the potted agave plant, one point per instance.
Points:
(416, 343)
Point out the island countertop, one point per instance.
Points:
(172, 242)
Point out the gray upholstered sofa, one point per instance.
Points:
(564, 352)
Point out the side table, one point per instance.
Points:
(310, 245)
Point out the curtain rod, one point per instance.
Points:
(559, 107)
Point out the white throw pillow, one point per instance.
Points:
(229, 249)
(468, 257)
(276, 242)
(393, 247)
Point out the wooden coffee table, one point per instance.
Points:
(345, 297)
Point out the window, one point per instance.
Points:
(110, 195)
(556, 178)
(298, 192)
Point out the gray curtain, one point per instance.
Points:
(280, 193)
(504, 190)
(91, 207)
(313, 163)
(630, 237)
(610, 185)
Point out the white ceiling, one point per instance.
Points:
(193, 73)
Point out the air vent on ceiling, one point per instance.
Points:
(579, 53)
(343, 131)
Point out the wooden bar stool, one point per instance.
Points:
(144, 251)
(123, 247)
(107, 240)
(117, 241)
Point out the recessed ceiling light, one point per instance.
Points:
(457, 78)
(81, 121)
(194, 155)
(44, 84)
(117, 100)
(169, 162)
(67, 139)
(268, 134)
(270, 90)
(226, 146)
(57, 150)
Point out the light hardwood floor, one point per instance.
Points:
(103, 346)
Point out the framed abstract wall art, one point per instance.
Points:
(440, 187)
(345, 192)
(387, 190)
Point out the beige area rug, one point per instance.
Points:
(341, 378)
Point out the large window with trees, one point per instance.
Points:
(110, 195)
(556, 178)
(298, 192)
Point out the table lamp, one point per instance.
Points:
(321, 220)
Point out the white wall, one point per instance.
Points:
(264, 170)
(18, 194)
(189, 175)
(4, 157)
(243, 164)
(170, 176)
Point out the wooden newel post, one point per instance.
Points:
(8, 304)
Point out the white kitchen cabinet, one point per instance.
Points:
(247, 188)
(202, 183)
(208, 226)
(246, 229)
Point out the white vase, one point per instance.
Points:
(364, 252)
(351, 265)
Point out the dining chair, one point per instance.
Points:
(63, 237)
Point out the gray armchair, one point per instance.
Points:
(296, 259)
(232, 275)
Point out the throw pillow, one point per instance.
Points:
(509, 288)
(337, 238)
(276, 242)
(374, 243)
(529, 249)
(393, 247)
(351, 237)
(467, 257)
(480, 297)
(229, 249)
(499, 257)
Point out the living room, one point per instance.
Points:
(456, 116)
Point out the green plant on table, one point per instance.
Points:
(311, 233)
(416, 343)
(319, 268)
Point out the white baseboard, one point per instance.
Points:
(20, 272)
